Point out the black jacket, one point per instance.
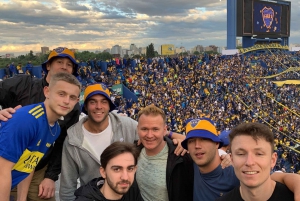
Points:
(91, 192)
(25, 90)
(180, 175)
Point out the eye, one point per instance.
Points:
(130, 169)
(116, 169)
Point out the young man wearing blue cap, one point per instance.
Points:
(88, 138)
(24, 90)
(210, 180)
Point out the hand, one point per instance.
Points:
(5, 114)
(46, 189)
(179, 149)
(226, 160)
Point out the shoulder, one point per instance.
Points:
(281, 192)
(122, 119)
(233, 195)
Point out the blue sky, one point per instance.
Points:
(92, 24)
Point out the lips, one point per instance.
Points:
(199, 155)
(250, 172)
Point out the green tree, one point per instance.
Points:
(150, 51)
(196, 53)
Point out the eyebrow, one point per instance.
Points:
(117, 166)
(256, 149)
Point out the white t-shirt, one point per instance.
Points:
(95, 143)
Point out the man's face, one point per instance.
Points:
(252, 160)
(97, 108)
(62, 97)
(60, 64)
(203, 152)
(151, 131)
(119, 174)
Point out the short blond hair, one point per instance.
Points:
(154, 111)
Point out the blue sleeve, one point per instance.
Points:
(16, 135)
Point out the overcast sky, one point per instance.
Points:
(95, 24)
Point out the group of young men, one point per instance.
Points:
(101, 148)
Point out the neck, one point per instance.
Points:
(108, 193)
(261, 193)
(212, 164)
(156, 151)
(94, 127)
(51, 116)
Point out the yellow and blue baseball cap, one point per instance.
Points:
(97, 89)
(201, 128)
(62, 52)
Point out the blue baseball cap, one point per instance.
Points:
(201, 128)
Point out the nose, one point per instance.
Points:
(198, 143)
(67, 100)
(249, 160)
(124, 175)
(98, 105)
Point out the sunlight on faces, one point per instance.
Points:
(62, 97)
(97, 108)
(118, 174)
(151, 131)
(202, 150)
(252, 160)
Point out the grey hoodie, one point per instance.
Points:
(78, 162)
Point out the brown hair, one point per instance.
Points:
(255, 130)
(116, 149)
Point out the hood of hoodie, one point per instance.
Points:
(91, 190)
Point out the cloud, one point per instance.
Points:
(93, 24)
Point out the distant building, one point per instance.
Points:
(212, 48)
(45, 50)
(116, 50)
(107, 50)
(9, 55)
(180, 50)
(134, 49)
(198, 48)
(167, 49)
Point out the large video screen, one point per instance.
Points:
(263, 18)
(266, 18)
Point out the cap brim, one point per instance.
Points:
(201, 134)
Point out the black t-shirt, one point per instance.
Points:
(281, 192)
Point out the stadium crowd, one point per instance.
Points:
(228, 89)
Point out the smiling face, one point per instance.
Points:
(59, 64)
(252, 160)
(98, 108)
(151, 131)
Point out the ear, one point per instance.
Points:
(273, 159)
(102, 172)
(48, 66)
(46, 91)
